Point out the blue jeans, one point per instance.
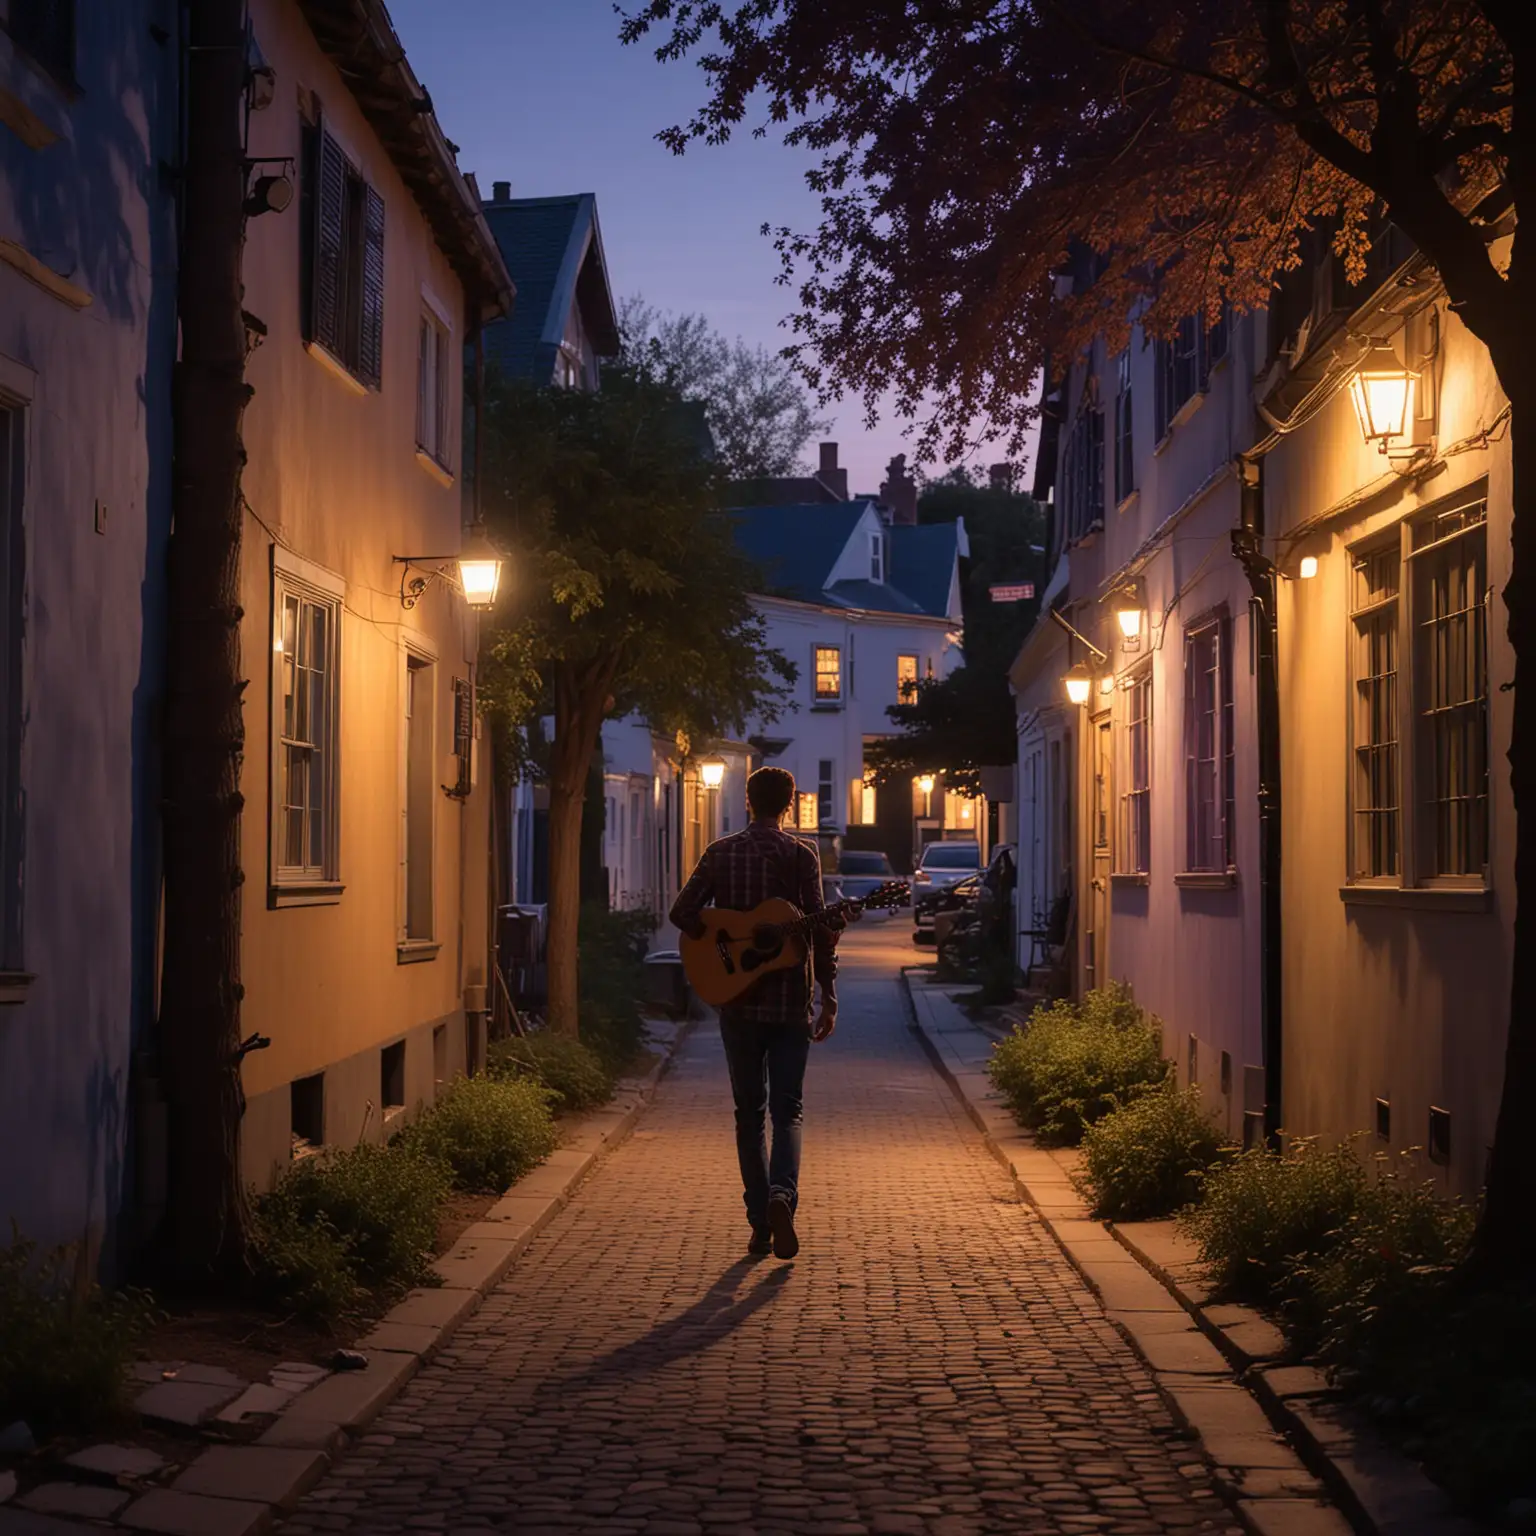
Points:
(767, 1066)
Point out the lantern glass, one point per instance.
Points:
(1079, 684)
(479, 578)
(1130, 622)
(1308, 567)
(1383, 400)
(712, 773)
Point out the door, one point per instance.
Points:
(1096, 952)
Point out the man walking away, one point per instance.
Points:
(768, 1032)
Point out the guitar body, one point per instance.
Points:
(736, 952)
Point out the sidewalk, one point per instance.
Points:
(1220, 1365)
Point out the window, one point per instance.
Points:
(1450, 611)
(464, 738)
(432, 371)
(343, 238)
(906, 679)
(1376, 833)
(392, 1078)
(877, 557)
(1419, 702)
(45, 29)
(806, 819)
(306, 658)
(825, 779)
(1134, 844)
(863, 803)
(1209, 753)
(420, 801)
(828, 673)
(12, 443)
(1125, 463)
(1082, 477)
(1183, 365)
(306, 1112)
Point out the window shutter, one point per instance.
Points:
(371, 347)
(1160, 412)
(463, 717)
(329, 205)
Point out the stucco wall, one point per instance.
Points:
(334, 477)
(93, 386)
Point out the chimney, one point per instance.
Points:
(501, 191)
(835, 479)
(899, 493)
(1001, 477)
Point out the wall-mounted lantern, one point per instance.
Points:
(1079, 683)
(1308, 567)
(1128, 611)
(1382, 391)
(475, 571)
(712, 773)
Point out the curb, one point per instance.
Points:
(1276, 1434)
(241, 1490)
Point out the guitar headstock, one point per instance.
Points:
(888, 894)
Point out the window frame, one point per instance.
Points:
(418, 657)
(1379, 615)
(306, 885)
(433, 366)
(818, 694)
(1131, 845)
(1124, 445)
(826, 791)
(1218, 855)
(906, 687)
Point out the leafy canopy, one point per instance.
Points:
(965, 147)
(624, 589)
(760, 414)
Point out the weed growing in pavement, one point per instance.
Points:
(1072, 1063)
(489, 1131)
(65, 1352)
(565, 1065)
(1148, 1157)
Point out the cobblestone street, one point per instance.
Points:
(930, 1363)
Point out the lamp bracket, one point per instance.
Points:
(1081, 639)
(412, 587)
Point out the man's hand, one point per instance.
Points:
(826, 1021)
(853, 914)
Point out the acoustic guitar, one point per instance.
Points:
(737, 949)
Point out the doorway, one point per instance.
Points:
(1096, 949)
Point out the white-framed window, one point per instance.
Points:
(433, 372)
(13, 418)
(826, 790)
(1419, 787)
(1133, 776)
(827, 674)
(1209, 747)
(418, 799)
(906, 679)
(306, 728)
(877, 558)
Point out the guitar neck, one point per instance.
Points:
(810, 919)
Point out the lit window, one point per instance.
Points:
(1135, 776)
(1209, 758)
(906, 678)
(807, 820)
(863, 802)
(432, 372)
(829, 672)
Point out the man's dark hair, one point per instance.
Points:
(770, 791)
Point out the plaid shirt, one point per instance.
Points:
(746, 868)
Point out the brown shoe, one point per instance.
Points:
(781, 1223)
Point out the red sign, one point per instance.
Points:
(1019, 592)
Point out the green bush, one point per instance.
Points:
(1148, 1157)
(1072, 1063)
(565, 1065)
(611, 946)
(1265, 1218)
(382, 1202)
(64, 1355)
(302, 1265)
(488, 1130)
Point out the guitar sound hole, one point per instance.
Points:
(766, 946)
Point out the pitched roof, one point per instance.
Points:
(923, 563)
(554, 250)
(797, 547)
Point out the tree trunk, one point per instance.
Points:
(1504, 1250)
(204, 733)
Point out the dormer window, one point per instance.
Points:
(877, 557)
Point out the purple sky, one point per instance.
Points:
(542, 94)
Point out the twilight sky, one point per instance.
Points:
(542, 94)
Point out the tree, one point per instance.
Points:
(966, 146)
(965, 722)
(204, 730)
(627, 593)
(759, 412)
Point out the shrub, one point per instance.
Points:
(381, 1202)
(64, 1355)
(571, 1070)
(302, 1265)
(612, 982)
(1074, 1062)
(488, 1130)
(1265, 1218)
(1148, 1157)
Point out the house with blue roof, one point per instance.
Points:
(865, 605)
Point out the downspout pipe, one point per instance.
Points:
(1248, 548)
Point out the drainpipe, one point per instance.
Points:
(1248, 547)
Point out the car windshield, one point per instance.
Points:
(951, 856)
(864, 864)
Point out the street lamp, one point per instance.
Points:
(1308, 567)
(477, 572)
(925, 783)
(1079, 683)
(1382, 392)
(1128, 612)
(712, 773)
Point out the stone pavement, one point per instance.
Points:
(930, 1363)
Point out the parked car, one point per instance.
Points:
(861, 871)
(959, 894)
(942, 864)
